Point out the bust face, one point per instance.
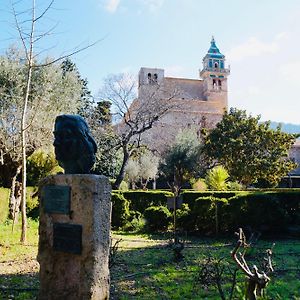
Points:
(74, 146)
(66, 141)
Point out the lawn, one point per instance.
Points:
(144, 267)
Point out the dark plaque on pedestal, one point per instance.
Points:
(56, 199)
(67, 238)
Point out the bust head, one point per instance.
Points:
(74, 146)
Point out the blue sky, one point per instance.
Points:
(260, 39)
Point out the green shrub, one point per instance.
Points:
(216, 178)
(189, 196)
(290, 202)
(135, 223)
(202, 214)
(270, 211)
(234, 186)
(39, 165)
(140, 200)
(183, 218)
(157, 218)
(198, 184)
(120, 210)
(4, 202)
(258, 211)
(32, 202)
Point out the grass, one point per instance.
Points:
(145, 268)
(4, 199)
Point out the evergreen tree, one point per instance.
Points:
(250, 150)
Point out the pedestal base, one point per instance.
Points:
(74, 242)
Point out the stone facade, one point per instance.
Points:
(198, 103)
(295, 155)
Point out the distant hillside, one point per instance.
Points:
(287, 127)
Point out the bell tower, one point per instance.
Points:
(214, 75)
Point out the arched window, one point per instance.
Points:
(149, 78)
(155, 78)
(214, 84)
(216, 65)
(220, 84)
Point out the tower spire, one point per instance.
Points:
(214, 73)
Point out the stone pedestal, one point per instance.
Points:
(74, 235)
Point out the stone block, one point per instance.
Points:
(74, 247)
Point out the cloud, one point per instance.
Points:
(112, 5)
(254, 47)
(290, 72)
(152, 5)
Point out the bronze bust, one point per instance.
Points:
(74, 146)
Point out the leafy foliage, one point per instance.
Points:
(216, 178)
(140, 200)
(157, 217)
(182, 160)
(39, 165)
(143, 168)
(120, 210)
(248, 149)
(198, 184)
(53, 92)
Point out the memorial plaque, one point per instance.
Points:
(67, 238)
(56, 199)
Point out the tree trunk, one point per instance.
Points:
(121, 175)
(23, 124)
(14, 200)
(250, 292)
(216, 218)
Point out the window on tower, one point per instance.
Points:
(216, 65)
(214, 84)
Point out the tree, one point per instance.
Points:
(148, 168)
(108, 157)
(25, 23)
(250, 150)
(182, 160)
(132, 171)
(134, 116)
(51, 93)
(143, 168)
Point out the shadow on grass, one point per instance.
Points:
(19, 286)
(150, 272)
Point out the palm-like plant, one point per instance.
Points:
(216, 178)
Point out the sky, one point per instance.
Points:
(260, 39)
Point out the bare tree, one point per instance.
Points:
(256, 280)
(26, 22)
(135, 115)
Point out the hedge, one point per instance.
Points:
(141, 200)
(189, 196)
(157, 218)
(4, 202)
(269, 212)
(120, 210)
